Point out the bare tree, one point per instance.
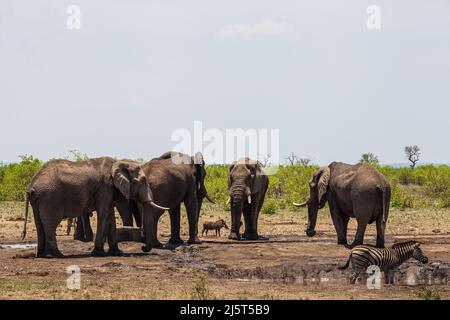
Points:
(303, 161)
(77, 155)
(292, 159)
(413, 154)
(266, 159)
(369, 157)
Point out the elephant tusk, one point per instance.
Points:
(300, 204)
(209, 199)
(229, 200)
(249, 199)
(157, 206)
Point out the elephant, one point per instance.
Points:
(65, 189)
(174, 178)
(247, 186)
(359, 191)
(127, 208)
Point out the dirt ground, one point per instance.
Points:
(287, 266)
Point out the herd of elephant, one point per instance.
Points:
(143, 192)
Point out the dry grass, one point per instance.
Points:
(171, 275)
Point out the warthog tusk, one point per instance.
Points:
(249, 199)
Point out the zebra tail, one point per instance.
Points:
(347, 264)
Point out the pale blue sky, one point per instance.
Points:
(137, 70)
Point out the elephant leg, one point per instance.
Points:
(79, 230)
(192, 213)
(361, 229)
(100, 236)
(154, 229)
(88, 233)
(112, 236)
(40, 234)
(51, 246)
(175, 226)
(381, 226)
(340, 222)
(136, 213)
(248, 223)
(151, 217)
(124, 208)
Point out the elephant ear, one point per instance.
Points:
(199, 167)
(322, 185)
(121, 178)
(259, 176)
(229, 174)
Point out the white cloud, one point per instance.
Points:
(262, 28)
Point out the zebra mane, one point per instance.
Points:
(404, 244)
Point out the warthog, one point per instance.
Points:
(219, 224)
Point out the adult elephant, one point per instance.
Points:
(247, 185)
(65, 189)
(359, 191)
(174, 178)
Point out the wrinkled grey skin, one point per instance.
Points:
(175, 178)
(352, 191)
(219, 224)
(128, 210)
(246, 181)
(65, 189)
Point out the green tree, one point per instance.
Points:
(413, 154)
(369, 158)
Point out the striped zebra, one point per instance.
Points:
(387, 259)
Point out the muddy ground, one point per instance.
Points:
(287, 266)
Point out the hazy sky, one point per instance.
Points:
(138, 70)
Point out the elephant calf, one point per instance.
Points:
(219, 224)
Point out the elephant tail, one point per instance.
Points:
(346, 264)
(27, 202)
(385, 201)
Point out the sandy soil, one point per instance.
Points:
(287, 266)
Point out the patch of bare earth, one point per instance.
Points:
(287, 266)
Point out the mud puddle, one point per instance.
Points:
(18, 246)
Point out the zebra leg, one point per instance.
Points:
(354, 276)
(390, 275)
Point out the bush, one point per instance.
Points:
(269, 207)
(15, 178)
(425, 186)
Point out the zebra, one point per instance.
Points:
(387, 259)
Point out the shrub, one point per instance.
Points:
(269, 207)
(16, 177)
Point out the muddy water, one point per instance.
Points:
(18, 246)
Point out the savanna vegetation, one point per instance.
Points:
(425, 186)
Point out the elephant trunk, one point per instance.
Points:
(312, 218)
(147, 226)
(146, 196)
(237, 198)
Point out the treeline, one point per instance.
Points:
(424, 186)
